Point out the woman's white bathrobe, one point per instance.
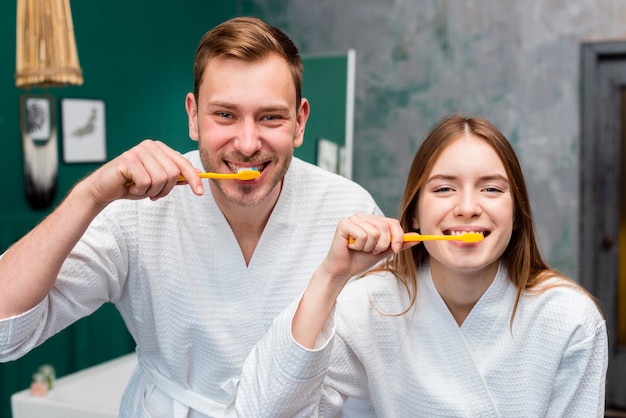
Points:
(550, 363)
(176, 273)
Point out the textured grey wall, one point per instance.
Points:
(514, 62)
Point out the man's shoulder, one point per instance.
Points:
(310, 174)
(194, 157)
(313, 186)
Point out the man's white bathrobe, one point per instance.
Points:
(176, 273)
(550, 363)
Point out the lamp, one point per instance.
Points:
(46, 54)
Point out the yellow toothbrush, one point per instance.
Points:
(467, 237)
(245, 174)
(240, 175)
(415, 237)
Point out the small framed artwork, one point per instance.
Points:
(84, 130)
(327, 153)
(39, 143)
(37, 117)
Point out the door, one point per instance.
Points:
(603, 192)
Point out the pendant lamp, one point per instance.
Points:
(46, 56)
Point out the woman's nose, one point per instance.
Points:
(467, 205)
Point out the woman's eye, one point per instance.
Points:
(442, 189)
(493, 190)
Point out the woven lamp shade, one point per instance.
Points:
(46, 54)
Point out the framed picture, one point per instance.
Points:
(327, 153)
(39, 143)
(37, 117)
(84, 134)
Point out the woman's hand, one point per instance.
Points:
(359, 243)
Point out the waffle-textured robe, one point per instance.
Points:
(177, 275)
(550, 363)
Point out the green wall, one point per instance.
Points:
(137, 56)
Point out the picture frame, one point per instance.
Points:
(83, 123)
(38, 128)
(37, 117)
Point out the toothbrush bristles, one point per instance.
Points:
(248, 173)
(471, 237)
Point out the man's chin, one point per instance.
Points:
(245, 197)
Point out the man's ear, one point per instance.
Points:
(192, 116)
(301, 118)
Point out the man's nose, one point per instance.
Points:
(248, 139)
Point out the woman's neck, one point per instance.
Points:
(459, 289)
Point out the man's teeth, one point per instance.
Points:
(237, 169)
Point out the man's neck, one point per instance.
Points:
(247, 223)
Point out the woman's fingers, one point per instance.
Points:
(373, 234)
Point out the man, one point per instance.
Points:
(198, 274)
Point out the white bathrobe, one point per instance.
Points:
(177, 275)
(550, 363)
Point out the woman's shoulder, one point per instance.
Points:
(564, 303)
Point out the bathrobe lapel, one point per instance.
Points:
(461, 346)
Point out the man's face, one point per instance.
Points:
(246, 117)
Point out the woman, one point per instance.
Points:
(447, 328)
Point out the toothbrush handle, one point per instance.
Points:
(210, 175)
(415, 237)
(409, 237)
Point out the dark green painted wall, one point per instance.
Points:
(137, 56)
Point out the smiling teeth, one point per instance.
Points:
(237, 169)
(466, 232)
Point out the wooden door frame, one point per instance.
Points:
(600, 165)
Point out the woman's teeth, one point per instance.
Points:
(465, 232)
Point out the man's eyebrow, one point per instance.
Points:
(268, 108)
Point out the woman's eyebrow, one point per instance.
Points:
(441, 177)
(497, 177)
(449, 177)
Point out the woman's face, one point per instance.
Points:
(467, 190)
